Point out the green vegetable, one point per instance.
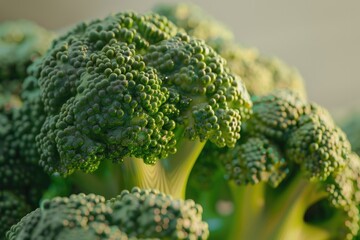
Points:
(139, 214)
(133, 87)
(292, 174)
(260, 74)
(21, 42)
(133, 100)
(22, 181)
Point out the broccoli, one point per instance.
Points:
(22, 180)
(135, 89)
(292, 175)
(261, 74)
(138, 214)
(21, 42)
(133, 100)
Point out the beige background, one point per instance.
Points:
(319, 37)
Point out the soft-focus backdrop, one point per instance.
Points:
(321, 38)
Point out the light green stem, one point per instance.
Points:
(248, 205)
(282, 217)
(168, 175)
(106, 181)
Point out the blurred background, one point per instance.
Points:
(320, 38)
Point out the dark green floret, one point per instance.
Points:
(135, 214)
(125, 86)
(21, 42)
(292, 174)
(261, 74)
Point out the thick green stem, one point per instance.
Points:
(168, 175)
(281, 217)
(248, 205)
(106, 181)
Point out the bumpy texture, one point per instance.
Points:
(123, 86)
(77, 217)
(21, 42)
(20, 176)
(195, 21)
(318, 145)
(22, 181)
(138, 214)
(276, 114)
(344, 193)
(255, 160)
(289, 139)
(12, 208)
(150, 214)
(261, 74)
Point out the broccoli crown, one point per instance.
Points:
(22, 180)
(261, 74)
(84, 216)
(275, 114)
(21, 42)
(194, 21)
(318, 145)
(138, 214)
(129, 86)
(255, 160)
(151, 214)
(12, 208)
(287, 138)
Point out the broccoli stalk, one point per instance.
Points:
(169, 175)
(278, 217)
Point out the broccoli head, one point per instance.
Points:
(21, 42)
(134, 86)
(260, 74)
(292, 174)
(22, 180)
(195, 21)
(135, 214)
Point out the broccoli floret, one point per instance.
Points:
(292, 174)
(135, 86)
(276, 114)
(138, 214)
(261, 74)
(21, 42)
(194, 21)
(21, 178)
(12, 207)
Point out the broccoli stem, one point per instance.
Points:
(168, 175)
(258, 216)
(106, 181)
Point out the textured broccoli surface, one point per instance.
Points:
(195, 21)
(292, 174)
(21, 42)
(260, 74)
(134, 86)
(22, 180)
(135, 214)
